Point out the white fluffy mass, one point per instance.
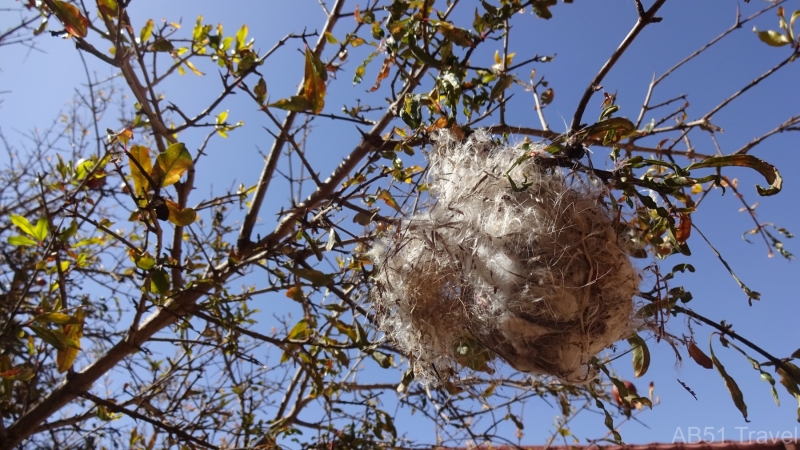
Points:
(537, 277)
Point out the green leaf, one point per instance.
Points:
(171, 165)
(141, 155)
(53, 337)
(300, 331)
(40, 232)
(23, 224)
(241, 36)
(609, 421)
(730, 383)
(772, 37)
(21, 241)
(411, 113)
(159, 282)
(146, 32)
(503, 83)
(296, 103)
(384, 360)
(145, 261)
(261, 91)
(55, 317)
(316, 277)
(641, 355)
(757, 366)
(769, 171)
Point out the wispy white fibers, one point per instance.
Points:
(537, 277)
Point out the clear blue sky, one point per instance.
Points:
(582, 35)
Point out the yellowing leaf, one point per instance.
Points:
(75, 23)
(193, 68)
(684, 229)
(641, 355)
(314, 82)
(171, 165)
(295, 293)
(180, 216)
(458, 36)
(74, 332)
(147, 31)
(772, 37)
(382, 75)
(387, 198)
(108, 8)
(140, 154)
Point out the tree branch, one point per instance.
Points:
(644, 20)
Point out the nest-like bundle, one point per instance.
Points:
(538, 277)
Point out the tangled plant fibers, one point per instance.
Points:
(537, 277)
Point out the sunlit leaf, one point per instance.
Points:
(769, 171)
(141, 155)
(241, 37)
(180, 216)
(74, 332)
(55, 317)
(300, 332)
(772, 37)
(108, 8)
(458, 36)
(75, 23)
(21, 241)
(193, 68)
(314, 82)
(171, 165)
(147, 31)
(23, 224)
(387, 198)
